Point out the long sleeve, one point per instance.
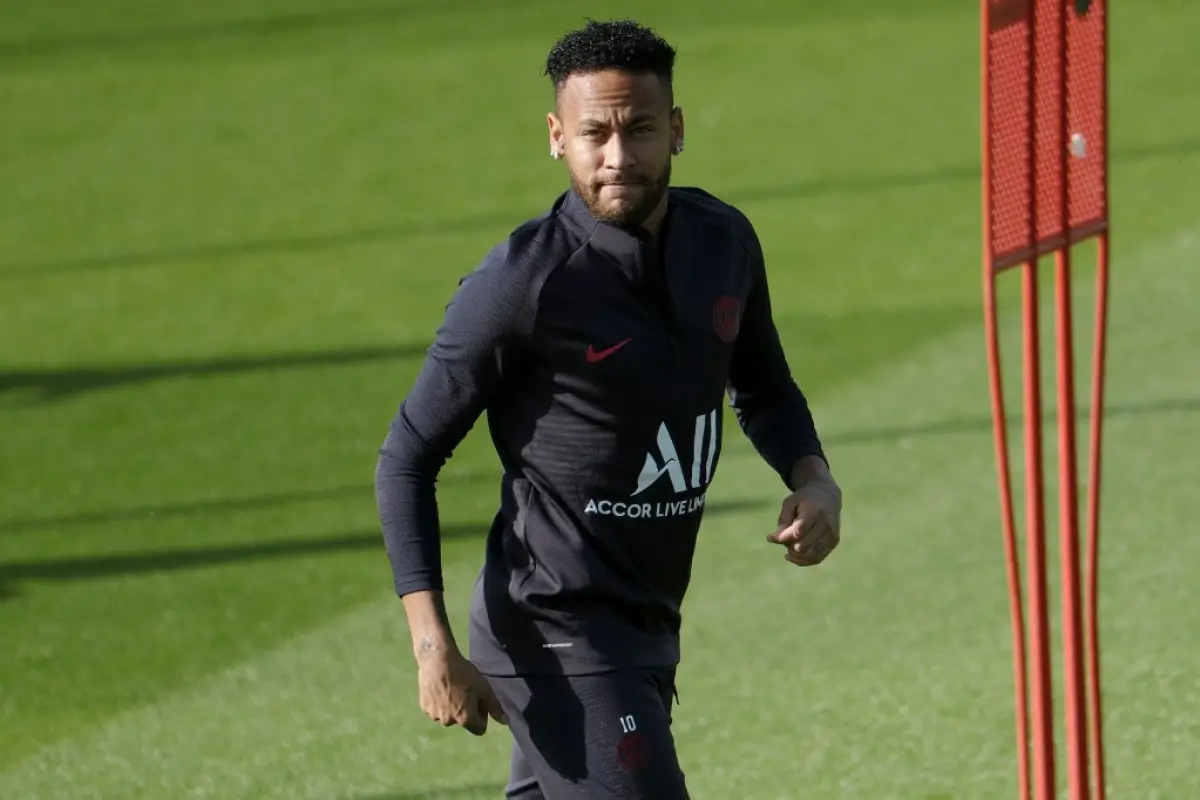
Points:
(490, 312)
(770, 408)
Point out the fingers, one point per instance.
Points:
(787, 511)
(476, 721)
(491, 706)
(470, 715)
(815, 547)
(469, 707)
(795, 531)
(483, 706)
(444, 713)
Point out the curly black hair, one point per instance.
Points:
(618, 44)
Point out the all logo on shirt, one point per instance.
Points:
(663, 463)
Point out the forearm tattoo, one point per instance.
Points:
(428, 645)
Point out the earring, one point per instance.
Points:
(679, 147)
(555, 154)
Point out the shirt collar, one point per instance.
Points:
(617, 241)
(634, 252)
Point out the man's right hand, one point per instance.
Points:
(453, 692)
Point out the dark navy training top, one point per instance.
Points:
(602, 361)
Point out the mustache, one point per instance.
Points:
(624, 180)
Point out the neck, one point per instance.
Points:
(653, 223)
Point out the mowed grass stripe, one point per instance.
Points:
(892, 661)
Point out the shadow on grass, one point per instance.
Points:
(186, 508)
(862, 436)
(193, 508)
(50, 385)
(177, 559)
(199, 33)
(502, 222)
(975, 425)
(33, 386)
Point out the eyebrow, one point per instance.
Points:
(645, 116)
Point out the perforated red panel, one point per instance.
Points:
(1051, 149)
(1008, 74)
(1086, 114)
(1026, 147)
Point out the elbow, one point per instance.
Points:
(404, 454)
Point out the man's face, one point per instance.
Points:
(616, 132)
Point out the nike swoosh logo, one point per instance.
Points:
(594, 355)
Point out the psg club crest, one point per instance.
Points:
(633, 751)
(727, 317)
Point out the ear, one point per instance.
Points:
(676, 127)
(555, 129)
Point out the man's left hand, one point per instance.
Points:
(810, 522)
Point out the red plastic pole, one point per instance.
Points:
(1012, 557)
(1091, 602)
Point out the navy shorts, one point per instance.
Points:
(596, 736)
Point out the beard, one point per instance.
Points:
(627, 210)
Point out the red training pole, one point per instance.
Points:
(1076, 728)
(991, 325)
(1091, 621)
(1093, 39)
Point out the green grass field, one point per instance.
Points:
(227, 232)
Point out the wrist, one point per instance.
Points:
(808, 469)
(429, 625)
(433, 645)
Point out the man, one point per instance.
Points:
(601, 340)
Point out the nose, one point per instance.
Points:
(617, 154)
